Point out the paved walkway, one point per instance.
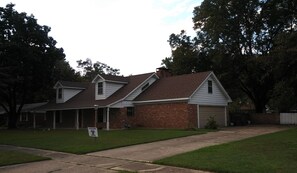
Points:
(133, 158)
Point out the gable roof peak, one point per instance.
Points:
(174, 87)
(110, 78)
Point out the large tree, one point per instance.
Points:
(28, 54)
(238, 38)
(284, 56)
(186, 57)
(246, 31)
(90, 69)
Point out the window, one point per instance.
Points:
(210, 87)
(130, 111)
(24, 117)
(100, 88)
(59, 93)
(145, 87)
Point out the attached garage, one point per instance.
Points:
(218, 112)
(202, 96)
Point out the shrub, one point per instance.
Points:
(211, 123)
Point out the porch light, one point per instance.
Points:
(95, 107)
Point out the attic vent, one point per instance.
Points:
(145, 86)
(210, 87)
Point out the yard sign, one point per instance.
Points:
(93, 132)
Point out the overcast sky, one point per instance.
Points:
(130, 35)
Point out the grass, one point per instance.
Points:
(15, 157)
(273, 153)
(78, 141)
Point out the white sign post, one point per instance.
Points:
(93, 132)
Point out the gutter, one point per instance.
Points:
(161, 100)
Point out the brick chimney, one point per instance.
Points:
(163, 72)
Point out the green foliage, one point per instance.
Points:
(30, 54)
(267, 153)
(243, 42)
(284, 62)
(78, 141)
(185, 55)
(211, 123)
(90, 70)
(284, 98)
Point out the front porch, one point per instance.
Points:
(78, 118)
(102, 118)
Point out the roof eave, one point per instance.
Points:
(95, 78)
(56, 85)
(218, 82)
(113, 81)
(154, 74)
(162, 100)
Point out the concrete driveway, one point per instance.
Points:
(157, 150)
(133, 158)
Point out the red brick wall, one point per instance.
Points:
(166, 115)
(117, 118)
(192, 116)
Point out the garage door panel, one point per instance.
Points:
(216, 111)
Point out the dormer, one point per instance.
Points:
(66, 90)
(106, 85)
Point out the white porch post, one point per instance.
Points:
(198, 117)
(27, 116)
(54, 120)
(95, 115)
(34, 120)
(77, 119)
(107, 119)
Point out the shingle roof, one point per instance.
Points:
(182, 86)
(115, 78)
(175, 87)
(26, 107)
(86, 98)
(73, 84)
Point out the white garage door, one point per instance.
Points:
(218, 112)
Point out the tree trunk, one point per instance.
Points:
(259, 109)
(12, 120)
(259, 106)
(12, 112)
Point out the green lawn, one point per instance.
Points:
(272, 153)
(78, 141)
(15, 157)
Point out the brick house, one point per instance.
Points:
(151, 100)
